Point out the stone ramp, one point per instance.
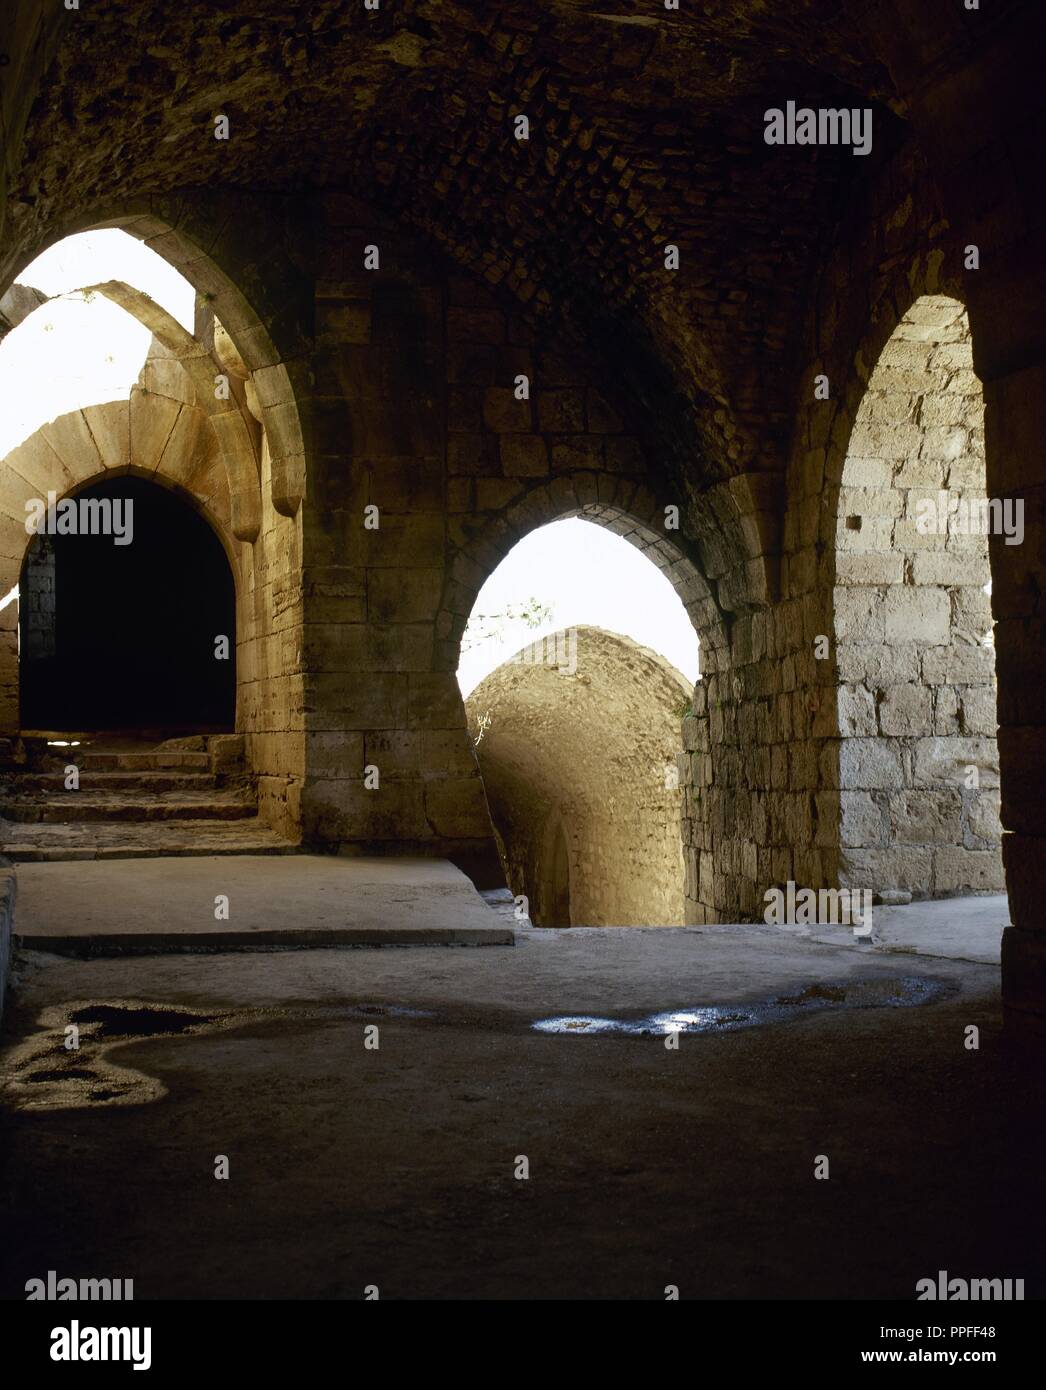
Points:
(154, 905)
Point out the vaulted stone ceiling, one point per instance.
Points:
(646, 128)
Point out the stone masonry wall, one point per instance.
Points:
(267, 566)
(36, 599)
(269, 678)
(350, 633)
(919, 770)
(764, 735)
(416, 415)
(387, 759)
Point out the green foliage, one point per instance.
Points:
(483, 627)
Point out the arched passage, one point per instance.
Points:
(221, 297)
(127, 615)
(579, 735)
(215, 412)
(576, 572)
(578, 741)
(632, 806)
(918, 762)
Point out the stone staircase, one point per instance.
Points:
(184, 796)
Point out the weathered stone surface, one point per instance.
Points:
(856, 711)
(921, 818)
(872, 870)
(948, 760)
(916, 615)
(905, 710)
(958, 870)
(929, 680)
(860, 819)
(983, 822)
(582, 773)
(871, 763)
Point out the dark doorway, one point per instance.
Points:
(556, 907)
(123, 636)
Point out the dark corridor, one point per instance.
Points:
(119, 631)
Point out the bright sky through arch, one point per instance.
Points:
(589, 577)
(69, 354)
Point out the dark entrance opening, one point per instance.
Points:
(550, 878)
(124, 636)
(559, 882)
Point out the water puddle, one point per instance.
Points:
(47, 1073)
(899, 993)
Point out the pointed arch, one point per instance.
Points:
(280, 380)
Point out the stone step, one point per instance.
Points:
(36, 843)
(71, 807)
(116, 760)
(155, 781)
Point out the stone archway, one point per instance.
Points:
(150, 437)
(127, 614)
(579, 745)
(642, 525)
(630, 510)
(272, 373)
(918, 763)
(222, 400)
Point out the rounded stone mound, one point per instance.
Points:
(578, 740)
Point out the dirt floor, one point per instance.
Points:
(648, 1165)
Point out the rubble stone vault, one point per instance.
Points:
(580, 761)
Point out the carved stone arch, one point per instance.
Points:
(193, 499)
(637, 516)
(280, 381)
(226, 418)
(234, 438)
(906, 287)
(148, 437)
